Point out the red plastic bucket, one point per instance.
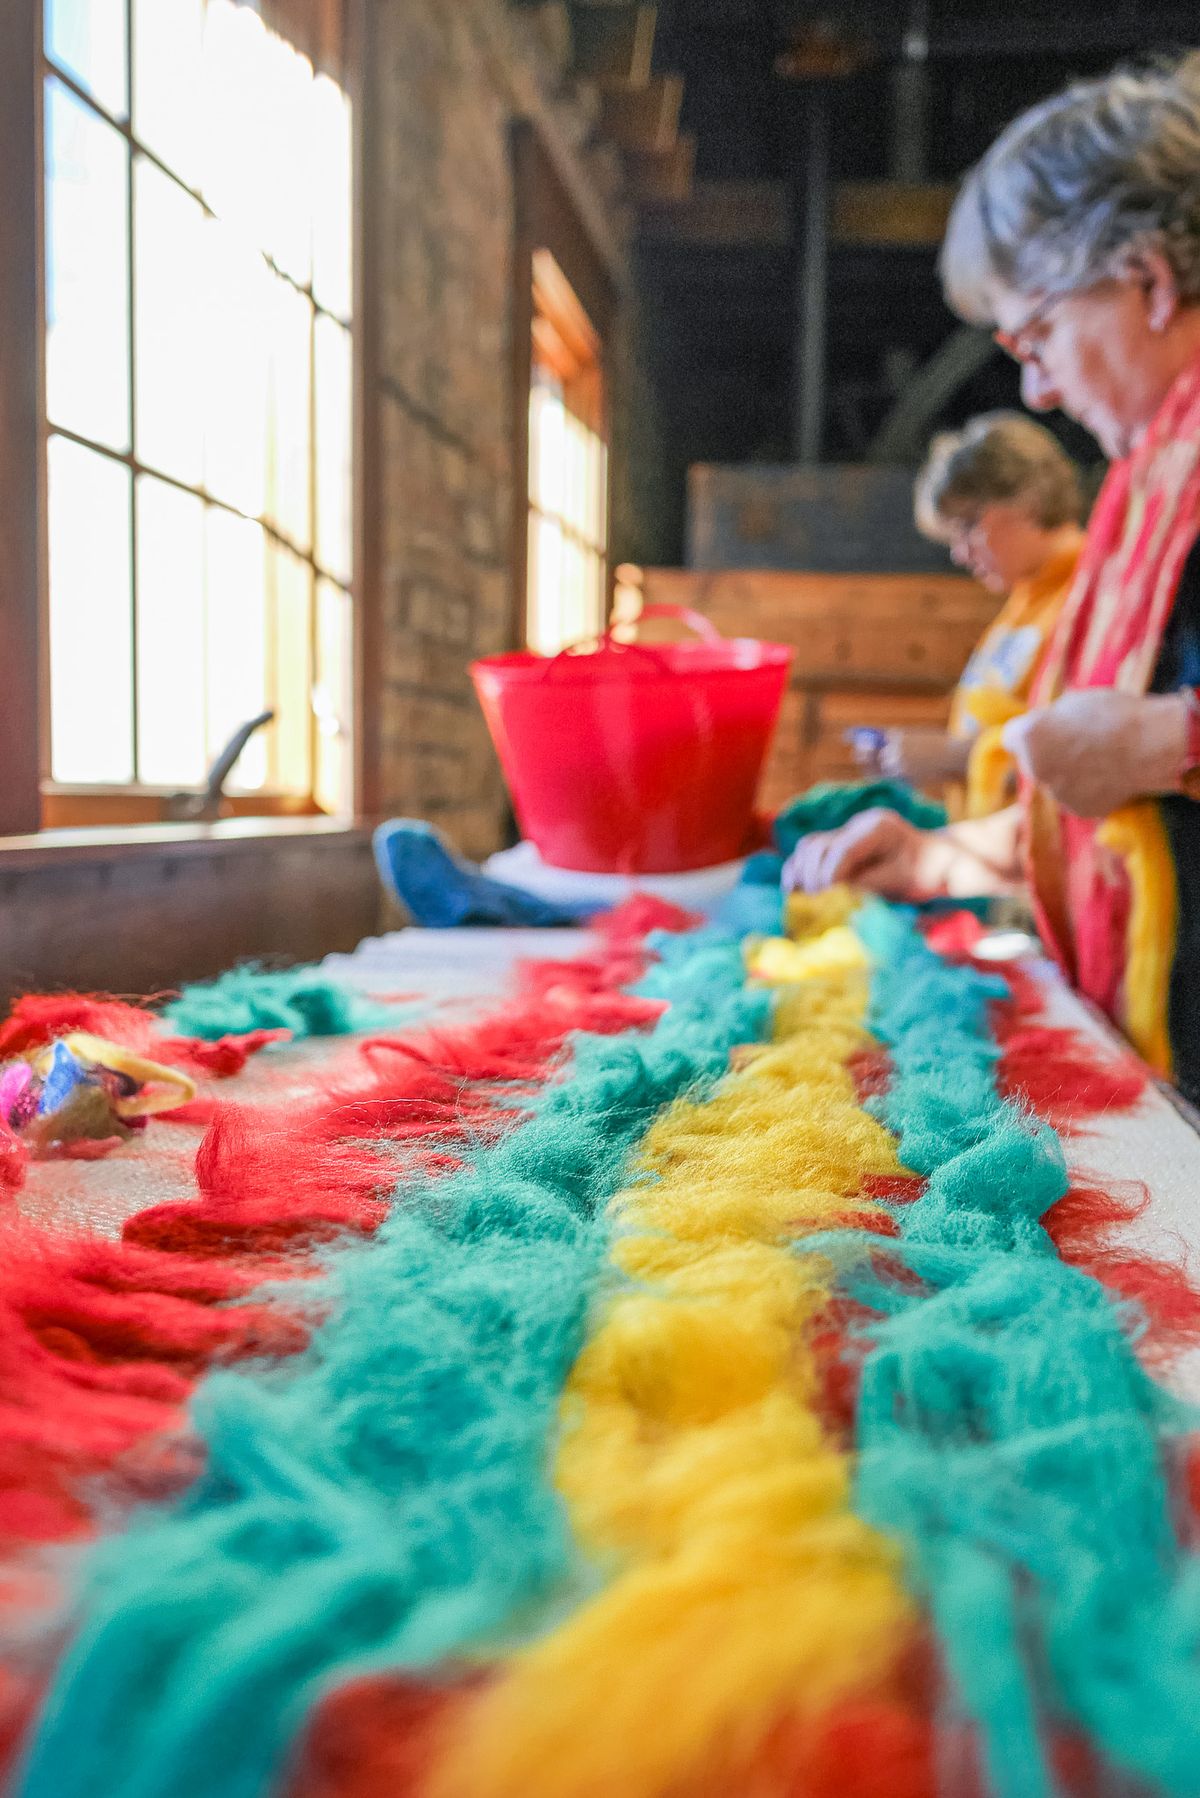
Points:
(636, 758)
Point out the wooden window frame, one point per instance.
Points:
(546, 218)
(21, 496)
(29, 802)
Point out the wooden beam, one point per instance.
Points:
(975, 36)
(644, 118)
(613, 44)
(721, 215)
(744, 214)
(810, 358)
(551, 19)
(891, 212)
(22, 507)
(662, 174)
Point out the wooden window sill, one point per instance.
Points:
(113, 808)
(230, 836)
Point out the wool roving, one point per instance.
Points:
(387, 1502)
(833, 802)
(104, 1341)
(738, 1579)
(1006, 1430)
(303, 1001)
(713, 1416)
(39, 1020)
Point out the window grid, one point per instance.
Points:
(320, 573)
(568, 488)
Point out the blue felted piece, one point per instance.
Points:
(64, 1074)
(441, 890)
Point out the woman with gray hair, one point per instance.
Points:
(1077, 240)
(1006, 500)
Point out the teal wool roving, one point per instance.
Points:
(302, 1000)
(1006, 1430)
(834, 802)
(385, 1501)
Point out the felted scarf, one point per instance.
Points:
(1104, 889)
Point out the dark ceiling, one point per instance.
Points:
(985, 61)
(721, 303)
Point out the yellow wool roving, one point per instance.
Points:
(1138, 835)
(741, 1588)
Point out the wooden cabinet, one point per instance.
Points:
(879, 649)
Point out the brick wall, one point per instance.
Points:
(451, 77)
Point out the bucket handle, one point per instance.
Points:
(605, 641)
(703, 627)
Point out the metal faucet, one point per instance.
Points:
(205, 807)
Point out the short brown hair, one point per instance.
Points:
(997, 456)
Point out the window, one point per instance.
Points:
(565, 307)
(568, 468)
(198, 403)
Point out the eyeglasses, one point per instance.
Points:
(960, 531)
(1017, 343)
(961, 527)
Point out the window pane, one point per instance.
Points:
(87, 287)
(289, 498)
(169, 239)
(591, 478)
(333, 700)
(334, 402)
(235, 580)
(578, 493)
(578, 618)
(287, 93)
(547, 465)
(91, 616)
(547, 628)
(237, 141)
(170, 632)
(236, 306)
(333, 243)
(167, 40)
(290, 740)
(87, 39)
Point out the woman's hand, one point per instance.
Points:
(1094, 751)
(882, 852)
(876, 849)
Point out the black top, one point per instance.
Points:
(1179, 666)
